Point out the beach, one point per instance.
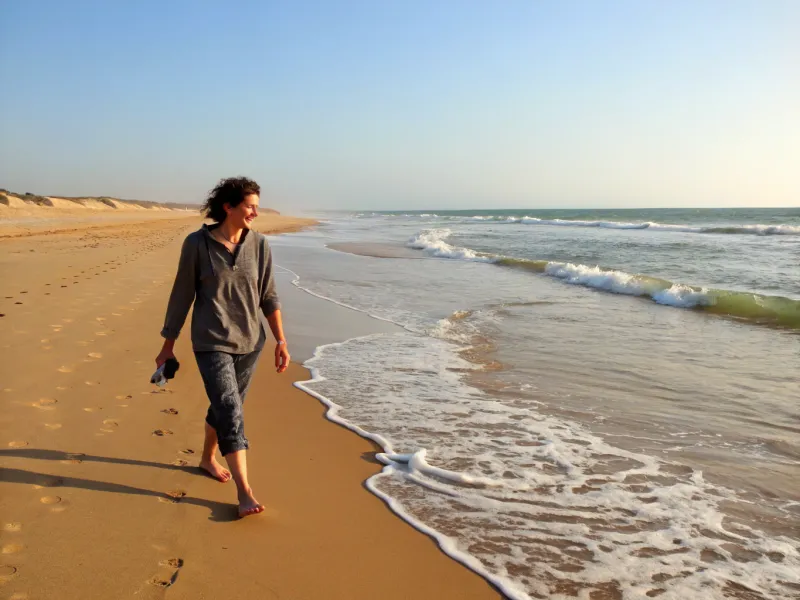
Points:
(100, 496)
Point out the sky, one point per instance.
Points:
(387, 105)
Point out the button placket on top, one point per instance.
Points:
(235, 254)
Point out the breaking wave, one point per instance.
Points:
(756, 308)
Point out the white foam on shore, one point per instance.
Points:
(415, 460)
(535, 500)
(526, 500)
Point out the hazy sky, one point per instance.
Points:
(404, 104)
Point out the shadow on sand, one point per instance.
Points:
(219, 511)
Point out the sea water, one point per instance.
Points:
(591, 404)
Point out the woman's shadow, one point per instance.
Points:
(219, 511)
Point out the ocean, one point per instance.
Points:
(580, 404)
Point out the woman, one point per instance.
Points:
(226, 270)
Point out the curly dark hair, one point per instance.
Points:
(230, 191)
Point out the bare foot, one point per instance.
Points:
(216, 470)
(248, 505)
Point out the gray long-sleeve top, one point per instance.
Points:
(228, 291)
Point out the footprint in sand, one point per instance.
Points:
(50, 500)
(101, 319)
(17, 444)
(162, 432)
(12, 527)
(95, 355)
(93, 408)
(64, 369)
(47, 481)
(92, 382)
(12, 548)
(45, 403)
(173, 496)
(59, 507)
(179, 462)
(73, 458)
(7, 572)
(170, 411)
(52, 426)
(160, 582)
(60, 388)
(172, 563)
(187, 451)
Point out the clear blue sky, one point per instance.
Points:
(406, 104)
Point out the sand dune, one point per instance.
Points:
(48, 214)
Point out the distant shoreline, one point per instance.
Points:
(22, 200)
(28, 214)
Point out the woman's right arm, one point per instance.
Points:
(180, 300)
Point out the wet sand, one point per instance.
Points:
(100, 496)
(378, 250)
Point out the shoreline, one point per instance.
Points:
(363, 325)
(100, 493)
(550, 439)
(390, 461)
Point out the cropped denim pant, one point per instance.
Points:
(226, 378)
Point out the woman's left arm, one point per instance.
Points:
(282, 357)
(271, 307)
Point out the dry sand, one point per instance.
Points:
(99, 493)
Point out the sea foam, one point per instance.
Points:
(519, 496)
(432, 242)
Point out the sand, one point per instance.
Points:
(100, 496)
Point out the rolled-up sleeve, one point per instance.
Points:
(183, 291)
(269, 296)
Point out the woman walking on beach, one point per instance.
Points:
(225, 269)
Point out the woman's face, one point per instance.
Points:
(242, 216)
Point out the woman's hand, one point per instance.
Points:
(282, 357)
(166, 352)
